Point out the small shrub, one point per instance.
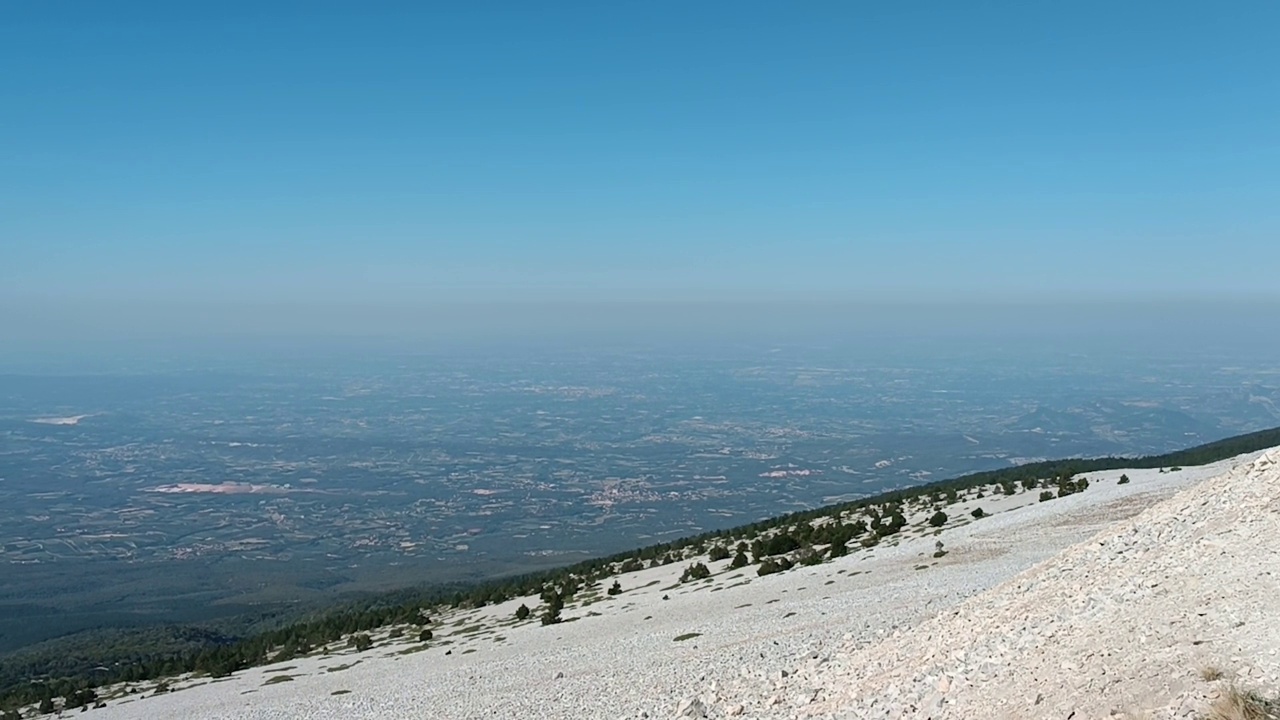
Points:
(772, 565)
(719, 552)
(615, 589)
(777, 545)
(425, 635)
(1046, 495)
(1209, 673)
(522, 612)
(938, 519)
(1237, 704)
(1124, 480)
(838, 549)
(360, 642)
(978, 513)
(696, 571)
(739, 560)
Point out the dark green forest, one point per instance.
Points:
(67, 669)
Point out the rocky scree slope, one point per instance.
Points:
(1127, 624)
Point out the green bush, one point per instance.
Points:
(522, 612)
(938, 519)
(838, 549)
(772, 565)
(1124, 480)
(978, 513)
(739, 560)
(1046, 495)
(426, 634)
(718, 552)
(696, 571)
(775, 545)
(809, 556)
(615, 589)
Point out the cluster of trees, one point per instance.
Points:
(90, 665)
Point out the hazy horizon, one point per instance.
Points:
(174, 171)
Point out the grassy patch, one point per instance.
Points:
(1209, 673)
(1238, 704)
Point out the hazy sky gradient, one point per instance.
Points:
(230, 156)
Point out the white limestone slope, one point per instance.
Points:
(1127, 623)
(618, 657)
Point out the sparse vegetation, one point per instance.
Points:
(555, 603)
(1209, 673)
(1235, 703)
(771, 565)
(696, 571)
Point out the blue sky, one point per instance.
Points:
(320, 154)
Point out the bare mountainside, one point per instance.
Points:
(894, 630)
(1147, 619)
